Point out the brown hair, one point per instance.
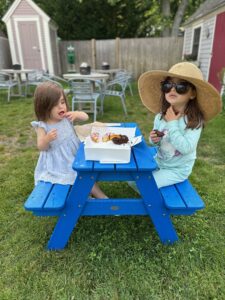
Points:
(195, 118)
(47, 96)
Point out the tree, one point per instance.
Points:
(165, 7)
(179, 17)
(170, 15)
(4, 5)
(106, 19)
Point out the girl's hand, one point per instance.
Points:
(76, 116)
(51, 135)
(44, 139)
(154, 138)
(171, 115)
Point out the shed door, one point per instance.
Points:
(218, 52)
(30, 46)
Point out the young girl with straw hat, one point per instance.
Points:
(183, 102)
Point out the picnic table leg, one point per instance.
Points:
(73, 210)
(156, 209)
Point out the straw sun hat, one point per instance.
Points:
(208, 98)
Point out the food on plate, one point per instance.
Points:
(120, 139)
(109, 136)
(95, 137)
(106, 137)
(114, 135)
(115, 138)
(158, 133)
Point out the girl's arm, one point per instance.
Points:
(153, 139)
(183, 142)
(76, 116)
(44, 139)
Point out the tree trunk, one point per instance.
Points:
(165, 8)
(178, 17)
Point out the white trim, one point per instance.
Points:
(11, 42)
(48, 48)
(40, 40)
(10, 11)
(202, 18)
(39, 10)
(200, 38)
(31, 3)
(210, 58)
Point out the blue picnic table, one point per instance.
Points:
(69, 203)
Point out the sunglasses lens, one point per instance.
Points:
(182, 88)
(166, 87)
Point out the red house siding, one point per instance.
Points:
(218, 51)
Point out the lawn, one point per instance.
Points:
(108, 257)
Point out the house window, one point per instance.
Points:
(196, 41)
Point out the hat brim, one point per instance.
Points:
(208, 98)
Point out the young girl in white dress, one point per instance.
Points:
(56, 138)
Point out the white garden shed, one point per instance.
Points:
(32, 37)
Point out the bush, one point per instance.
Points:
(223, 101)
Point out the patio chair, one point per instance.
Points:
(116, 88)
(39, 76)
(128, 75)
(34, 79)
(6, 83)
(83, 97)
(58, 80)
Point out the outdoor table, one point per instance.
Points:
(139, 170)
(91, 76)
(19, 74)
(111, 72)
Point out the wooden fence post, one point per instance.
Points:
(93, 53)
(117, 53)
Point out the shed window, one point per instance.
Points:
(196, 41)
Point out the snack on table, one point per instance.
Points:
(158, 133)
(114, 135)
(95, 137)
(120, 139)
(117, 139)
(109, 136)
(106, 137)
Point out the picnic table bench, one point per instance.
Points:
(69, 203)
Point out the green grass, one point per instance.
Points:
(108, 257)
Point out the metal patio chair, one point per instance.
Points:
(34, 79)
(128, 75)
(39, 76)
(6, 83)
(116, 88)
(84, 97)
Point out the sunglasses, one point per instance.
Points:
(181, 87)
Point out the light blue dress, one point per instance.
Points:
(55, 164)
